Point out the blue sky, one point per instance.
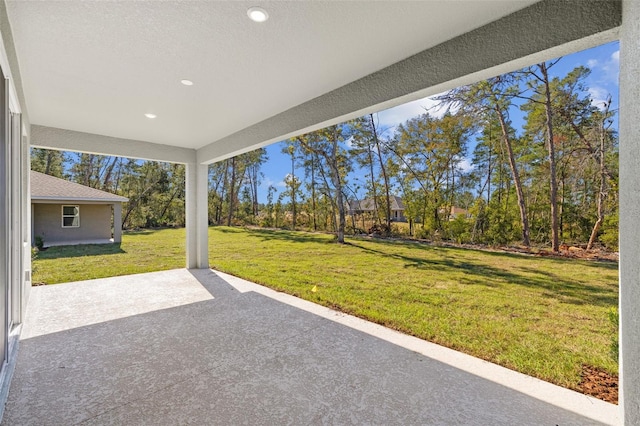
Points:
(602, 82)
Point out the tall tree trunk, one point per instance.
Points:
(231, 192)
(600, 202)
(252, 174)
(452, 189)
(107, 176)
(313, 193)
(166, 206)
(563, 195)
(223, 190)
(384, 173)
(337, 184)
(489, 163)
(553, 185)
(516, 177)
(331, 218)
(88, 170)
(335, 177)
(293, 187)
(602, 193)
(116, 185)
(47, 169)
(373, 185)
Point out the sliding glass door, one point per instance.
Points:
(5, 216)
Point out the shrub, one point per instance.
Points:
(349, 229)
(609, 236)
(380, 229)
(39, 242)
(460, 230)
(423, 233)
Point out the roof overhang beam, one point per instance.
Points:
(70, 140)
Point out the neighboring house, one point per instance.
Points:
(367, 205)
(65, 213)
(457, 212)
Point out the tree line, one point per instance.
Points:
(155, 190)
(552, 181)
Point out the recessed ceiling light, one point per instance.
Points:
(187, 82)
(257, 14)
(150, 115)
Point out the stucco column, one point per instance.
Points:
(202, 225)
(197, 218)
(630, 213)
(117, 222)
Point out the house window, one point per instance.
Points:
(70, 216)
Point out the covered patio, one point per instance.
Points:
(197, 83)
(202, 347)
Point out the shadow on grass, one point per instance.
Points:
(478, 273)
(143, 232)
(62, 252)
(282, 235)
(452, 260)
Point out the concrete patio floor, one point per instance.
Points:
(200, 347)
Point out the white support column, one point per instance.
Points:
(197, 216)
(202, 226)
(117, 223)
(630, 213)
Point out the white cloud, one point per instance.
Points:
(349, 142)
(266, 182)
(615, 56)
(605, 69)
(599, 96)
(466, 165)
(606, 72)
(391, 117)
(612, 68)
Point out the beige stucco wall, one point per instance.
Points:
(95, 223)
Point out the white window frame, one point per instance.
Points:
(74, 216)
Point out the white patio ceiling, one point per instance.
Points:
(98, 67)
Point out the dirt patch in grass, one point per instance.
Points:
(599, 383)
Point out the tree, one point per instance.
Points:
(369, 150)
(327, 145)
(493, 97)
(591, 126)
(385, 177)
(255, 159)
(233, 187)
(292, 182)
(431, 149)
(362, 152)
(541, 86)
(602, 168)
(48, 161)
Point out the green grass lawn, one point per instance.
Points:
(140, 251)
(540, 316)
(544, 317)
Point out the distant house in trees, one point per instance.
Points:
(368, 206)
(66, 213)
(457, 212)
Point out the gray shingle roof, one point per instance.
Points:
(45, 187)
